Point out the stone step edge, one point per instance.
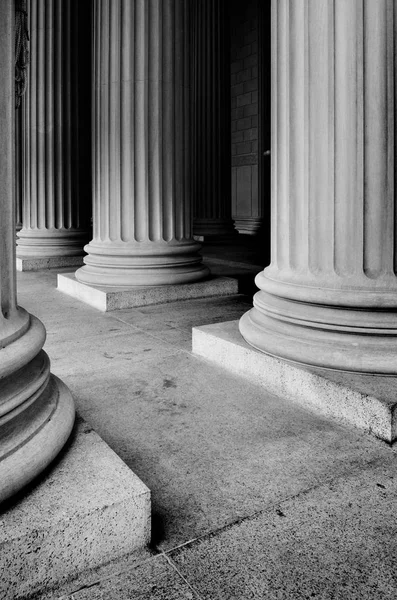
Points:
(87, 509)
(109, 299)
(334, 394)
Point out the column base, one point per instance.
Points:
(365, 401)
(40, 430)
(214, 230)
(248, 225)
(36, 408)
(88, 509)
(115, 298)
(344, 338)
(51, 262)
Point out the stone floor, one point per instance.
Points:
(253, 498)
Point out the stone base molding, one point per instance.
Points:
(36, 409)
(249, 225)
(141, 264)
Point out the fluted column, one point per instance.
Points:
(329, 297)
(56, 168)
(142, 214)
(211, 130)
(36, 409)
(18, 169)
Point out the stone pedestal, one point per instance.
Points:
(211, 160)
(87, 510)
(56, 164)
(36, 409)
(142, 215)
(367, 402)
(329, 297)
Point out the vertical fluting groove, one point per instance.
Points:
(211, 104)
(376, 136)
(125, 147)
(394, 149)
(49, 111)
(52, 131)
(114, 124)
(104, 124)
(155, 196)
(178, 113)
(64, 210)
(345, 101)
(274, 142)
(7, 222)
(59, 109)
(306, 151)
(297, 125)
(96, 114)
(321, 131)
(41, 133)
(140, 211)
(185, 202)
(360, 148)
(282, 134)
(141, 98)
(18, 167)
(388, 250)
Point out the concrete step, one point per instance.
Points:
(87, 509)
(365, 401)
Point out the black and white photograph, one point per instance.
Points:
(198, 299)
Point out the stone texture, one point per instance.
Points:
(106, 299)
(87, 509)
(141, 214)
(329, 296)
(56, 182)
(210, 136)
(36, 409)
(50, 262)
(335, 541)
(368, 402)
(155, 579)
(212, 447)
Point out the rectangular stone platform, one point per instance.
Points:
(52, 262)
(365, 401)
(88, 509)
(107, 299)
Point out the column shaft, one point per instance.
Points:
(36, 409)
(329, 297)
(142, 214)
(211, 160)
(18, 169)
(56, 172)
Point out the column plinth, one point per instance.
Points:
(329, 297)
(55, 162)
(142, 215)
(211, 160)
(36, 409)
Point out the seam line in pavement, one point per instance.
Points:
(173, 566)
(268, 509)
